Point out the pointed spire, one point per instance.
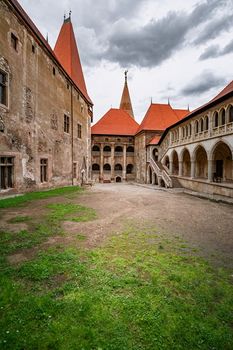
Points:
(188, 107)
(66, 52)
(125, 98)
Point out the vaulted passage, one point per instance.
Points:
(201, 163)
(223, 165)
(186, 164)
(175, 163)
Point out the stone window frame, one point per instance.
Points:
(43, 170)
(6, 86)
(66, 123)
(7, 165)
(79, 131)
(14, 42)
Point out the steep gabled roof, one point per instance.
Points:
(66, 52)
(115, 122)
(125, 103)
(160, 117)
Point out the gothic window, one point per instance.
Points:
(66, 123)
(95, 148)
(107, 167)
(231, 114)
(107, 149)
(130, 149)
(118, 167)
(3, 88)
(129, 169)
(206, 123)
(196, 127)
(79, 131)
(201, 125)
(95, 167)
(223, 117)
(216, 119)
(118, 149)
(43, 170)
(6, 172)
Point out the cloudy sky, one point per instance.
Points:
(176, 49)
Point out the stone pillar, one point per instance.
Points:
(210, 170)
(112, 162)
(153, 178)
(124, 162)
(193, 164)
(180, 168)
(101, 162)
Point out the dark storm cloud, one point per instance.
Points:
(214, 29)
(214, 51)
(202, 84)
(150, 45)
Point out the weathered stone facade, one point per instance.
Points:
(39, 94)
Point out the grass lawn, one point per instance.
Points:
(139, 290)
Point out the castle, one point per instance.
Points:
(46, 138)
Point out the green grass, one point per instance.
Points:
(71, 212)
(129, 294)
(19, 219)
(28, 197)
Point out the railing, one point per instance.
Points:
(160, 172)
(166, 178)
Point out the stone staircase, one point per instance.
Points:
(162, 174)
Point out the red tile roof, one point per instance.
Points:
(160, 117)
(115, 122)
(27, 20)
(155, 140)
(225, 91)
(66, 52)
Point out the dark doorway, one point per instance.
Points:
(118, 179)
(219, 168)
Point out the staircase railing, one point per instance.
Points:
(160, 172)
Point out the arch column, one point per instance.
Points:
(193, 165)
(124, 163)
(112, 161)
(210, 170)
(101, 162)
(180, 167)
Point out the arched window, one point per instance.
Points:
(107, 167)
(107, 149)
(130, 149)
(222, 117)
(206, 123)
(129, 169)
(183, 132)
(118, 167)
(118, 149)
(95, 148)
(201, 125)
(190, 129)
(95, 167)
(196, 127)
(187, 131)
(216, 119)
(231, 114)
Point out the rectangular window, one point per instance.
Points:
(66, 123)
(74, 170)
(43, 170)
(14, 41)
(7, 171)
(79, 131)
(3, 88)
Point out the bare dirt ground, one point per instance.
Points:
(205, 225)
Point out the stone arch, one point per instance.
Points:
(129, 169)
(130, 149)
(206, 122)
(118, 167)
(186, 163)
(221, 155)
(222, 115)
(107, 167)
(95, 167)
(95, 148)
(201, 162)
(167, 161)
(229, 114)
(155, 154)
(107, 148)
(118, 179)
(175, 163)
(216, 119)
(118, 149)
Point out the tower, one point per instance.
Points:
(126, 104)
